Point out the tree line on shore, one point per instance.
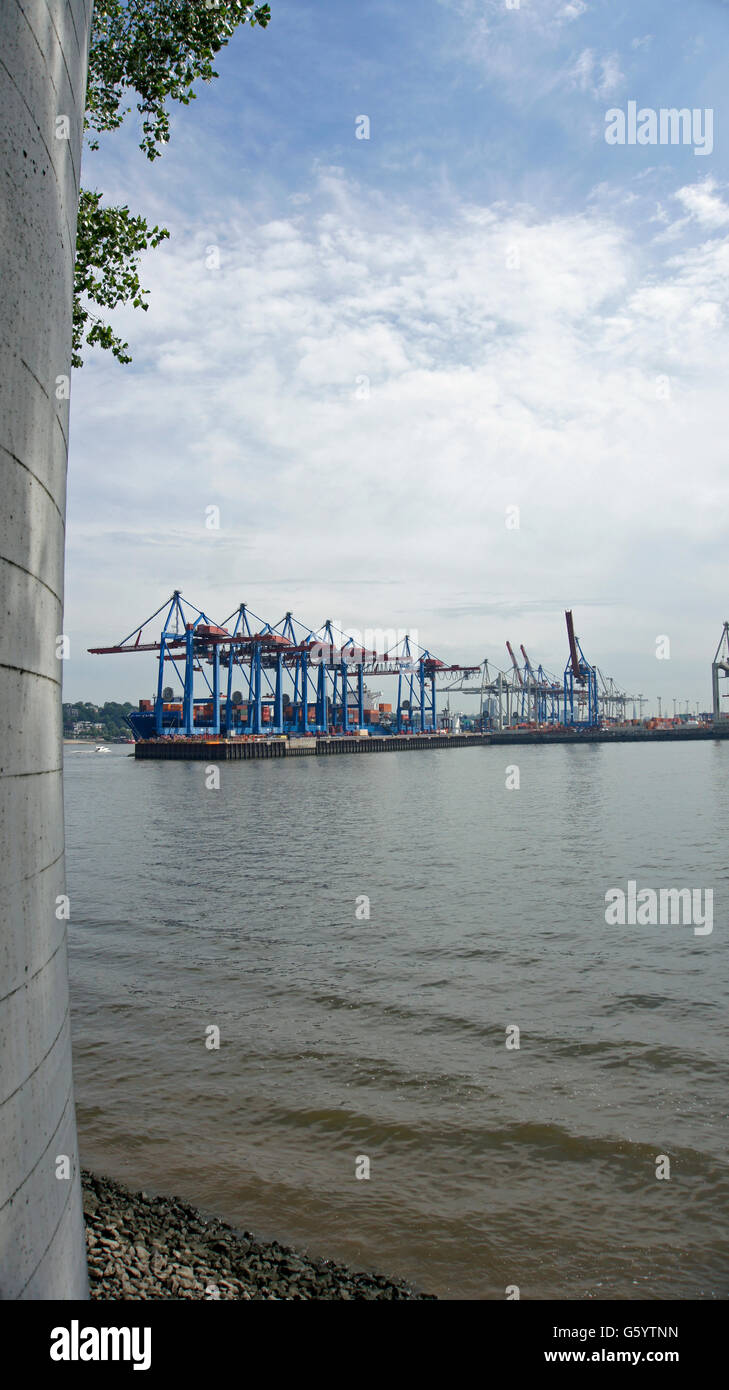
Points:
(85, 720)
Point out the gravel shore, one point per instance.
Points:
(143, 1247)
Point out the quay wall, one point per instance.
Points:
(234, 750)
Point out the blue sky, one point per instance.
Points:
(365, 351)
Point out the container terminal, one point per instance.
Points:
(249, 689)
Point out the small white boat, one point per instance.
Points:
(99, 749)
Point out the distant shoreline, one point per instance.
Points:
(94, 742)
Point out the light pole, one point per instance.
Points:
(659, 706)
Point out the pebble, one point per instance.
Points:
(146, 1247)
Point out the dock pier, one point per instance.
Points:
(237, 749)
(232, 750)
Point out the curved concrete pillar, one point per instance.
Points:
(43, 56)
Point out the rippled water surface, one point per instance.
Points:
(386, 1037)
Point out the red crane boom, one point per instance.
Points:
(574, 657)
(514, 663)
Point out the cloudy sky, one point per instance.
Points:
(368, 352)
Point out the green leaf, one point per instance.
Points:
(157, 50)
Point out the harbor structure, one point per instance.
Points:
(719, 669)
(246, 679)
(282, 679)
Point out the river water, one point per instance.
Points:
(346, 1038)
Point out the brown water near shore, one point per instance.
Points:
(344, 1036)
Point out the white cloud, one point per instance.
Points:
(703, 204)
(526, 49)
(611, 76)
(598, 76)
(540, 14)
(506, 359)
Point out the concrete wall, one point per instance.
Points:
(43, 48)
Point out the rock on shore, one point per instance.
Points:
(142, 1247)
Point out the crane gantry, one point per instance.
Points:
(525, 695)
(327, 669)
(248, 677)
